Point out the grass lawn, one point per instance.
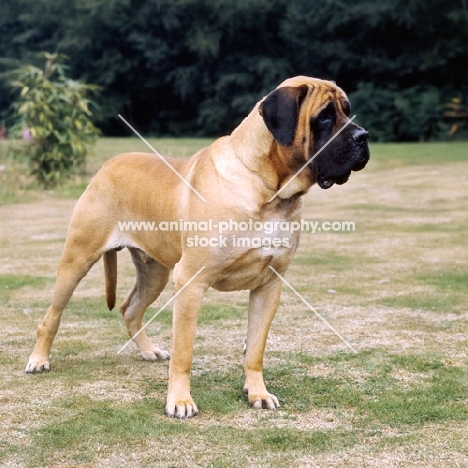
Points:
(395, 288)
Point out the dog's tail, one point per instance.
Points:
(110, 273)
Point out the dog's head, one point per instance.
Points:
(309, 119)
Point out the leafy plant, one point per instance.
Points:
(55, 116)
(393, 114)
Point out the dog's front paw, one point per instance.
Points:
(155, 354)
(268, 401)
(181, 408)
(261, 399)
(37, 366)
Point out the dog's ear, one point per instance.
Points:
(280, 112)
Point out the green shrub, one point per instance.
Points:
(391, 114)
(55, 111)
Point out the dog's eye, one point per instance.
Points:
(325, 120)
(346, 105)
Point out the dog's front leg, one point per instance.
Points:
(184, 321)
(262, 309)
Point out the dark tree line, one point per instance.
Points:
(198, 66)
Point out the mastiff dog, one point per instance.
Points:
(298, 135)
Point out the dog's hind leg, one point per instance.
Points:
(77, 259)
(151, 279)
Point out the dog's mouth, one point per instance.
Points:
(347, 154)
(326, 183)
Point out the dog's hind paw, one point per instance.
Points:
(37, 366)
(155, 354)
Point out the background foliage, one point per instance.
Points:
(198, 66)
(54, 110)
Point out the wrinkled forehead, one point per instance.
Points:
(320, 94)
(322, 87)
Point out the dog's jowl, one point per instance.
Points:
(253, 178)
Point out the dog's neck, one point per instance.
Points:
(243, 153)
(260, 154)
(253, 139)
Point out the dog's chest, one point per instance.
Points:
(250, 268)
(248, 254)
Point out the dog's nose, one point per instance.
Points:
(360, 136)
